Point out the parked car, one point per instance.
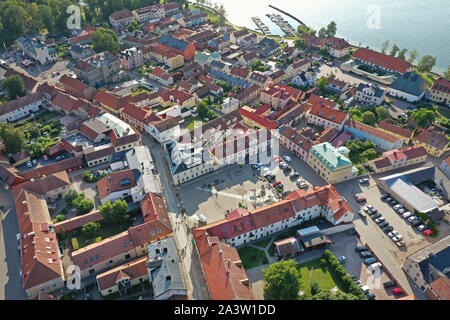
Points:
(276, 183)
(388, 284)
(341, 259)
(34, 162)
(397, 291)
(355, 278)
(370, 207)
(362, 214)
(401, 211)
(421, 227)
(381, 219)
(393, 202)
(365, 288)
(365, 254)
(29, 164)
(370, 260)
(407, 214)
(370, 296)
(59, 158)
(361, 199)
(371, 213)
(359, 283)
(398, 206)
(384, 196)
(400, 243)
(428, 232)
(393, 234)
(416, 222)
(383, 224)
(388, 229)
(397, 238)
(287, 169)
(360, 249)
(294, 175)
(287, 158)
(364, 180)
(375, 216)
(412, 218)
(388, 199)
(45, 157)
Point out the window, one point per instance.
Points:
(92, 259)
(96, 257)
(125, 245)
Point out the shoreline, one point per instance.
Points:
(281, 37)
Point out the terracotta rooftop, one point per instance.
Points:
(116, 181)
(382, 60)
(432, 137)
(371, 130)
(442, 85)
(389, 126)
(327, 113)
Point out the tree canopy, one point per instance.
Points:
(282, 281)
(13, 138)
(322, 84)
(105, 40)
(382, 113)
(15, 86)
(69, 196)
(115, 213)
(412, 56)
(402, 54)
(300, 43)
(426, 63)
(447, 73)
(369, 118)
(90, 228)
(394, 50)
(423, 117)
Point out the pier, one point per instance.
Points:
(283, 24)
(288, 14)
(261, 25)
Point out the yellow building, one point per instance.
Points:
(434, 142)
(331, 163)
(396, 131)
(440, 92)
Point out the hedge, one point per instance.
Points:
(349, 285)
(428, 221)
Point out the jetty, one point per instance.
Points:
(288, 14)
(261, 25)
(283, 24)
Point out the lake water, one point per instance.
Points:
(423, 25)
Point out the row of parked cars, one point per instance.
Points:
(407, 215)
(384, 225)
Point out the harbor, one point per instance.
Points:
(261, 26)
(288, 30)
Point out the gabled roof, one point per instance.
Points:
(411, 83)
(73, 83)
(442, 85)
(327, 113)
(117, 181)
(59, 166)
(382, 60)
(296, 137)
(389, 126)
(121, 14)
(315, 99)
(30, 82)
(137, 113)
(44, 184)
(21, 102)
(433, 138)
(252, 115)
(173, 43)
(108, 99)
(371, 131)
(240, 72)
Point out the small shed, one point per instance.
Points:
(315, 241)
(287, 247)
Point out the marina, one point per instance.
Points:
(283, 24)
(261, 26)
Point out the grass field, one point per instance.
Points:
(263, 243)
(104, 232)
(312, 270)
(190, 122)
(252, 257)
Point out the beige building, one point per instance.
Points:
(396, 158)
(440, 92)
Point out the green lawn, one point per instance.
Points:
(312, 270)
(263, 243)
(190, 122)
(252, 257)
(105, 231)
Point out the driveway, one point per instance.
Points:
(10, 265)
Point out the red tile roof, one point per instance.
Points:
(258, 119)
(77, 222)
(30, 82)
(240, 72)
(442, 287)
(111, 101)
(82, 38)
(442, 85)
(327, 113)
(131, 270)
(389, 126)
(139, 114)
(315, 99)
(179, 96)
(382, 60)
(112, 182)
(75, 84)
(371, 130)
(434, 138)
(225, 275)
(44, 184)
(64, 165)
(122, 14)
(296, 137)
(382, 162)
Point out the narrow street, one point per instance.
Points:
(193, 273)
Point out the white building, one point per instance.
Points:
(369, 94)
(37, 49)
(20, 108)
(305, 79)
(230, 104)
(409, 86)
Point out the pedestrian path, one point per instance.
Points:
(266, 250)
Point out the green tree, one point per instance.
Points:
(315, 287)
(402, 54)
(69, 196)
(426, 63)
(301, 29)
(115, 213)
(322, 84)
(331, 29)
(300, 43)
(382, 113)
(60, 217)
(369, 118)
(132, 26)
(222, 14)
(385, 46)
(87, 176)
(62, 233)
(323, 33)
(412, 56)
(423, 117)
(394, 50)
(13, 138)
(83, 205)
(15, 86)
(282, 281)
(104, 40)
(447, 73)
(90, 228)
(202, 109)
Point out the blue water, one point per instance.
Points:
(423, 25)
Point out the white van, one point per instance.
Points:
(365, 288)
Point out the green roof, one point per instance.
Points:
(203, 57)
(411, 83)
(330, 156)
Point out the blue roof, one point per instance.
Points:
(173, 42)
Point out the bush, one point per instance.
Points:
(87, 176)
(90, 228)
(315, 287)
(62, 234)
(60, 217)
